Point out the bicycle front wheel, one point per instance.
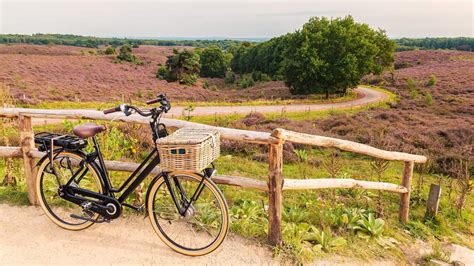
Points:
(205, 224)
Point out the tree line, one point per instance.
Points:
(459, 43)
(94, 42)
(403, 44)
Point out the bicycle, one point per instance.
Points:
(186, 210)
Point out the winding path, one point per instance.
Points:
(367, 96)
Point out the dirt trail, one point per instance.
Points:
(368, 96)
(27, 236)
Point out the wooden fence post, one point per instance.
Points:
(275, 195)
(434, 197)
(27, 143)
(405, 197)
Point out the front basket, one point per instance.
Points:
(189, 149)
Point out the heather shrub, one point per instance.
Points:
(253, 119)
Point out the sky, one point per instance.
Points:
(230, 18)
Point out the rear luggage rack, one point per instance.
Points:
(48, 140)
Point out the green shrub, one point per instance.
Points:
(428, 98)
(265, 77)
(412, 84)
(432, 81)
(412, 87)
(125, 54)
(110, 50)
(163, 72)
(188, 79)
(247, 81)
(229, 77)
(205, 85)
(260, 76)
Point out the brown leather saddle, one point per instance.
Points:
(87, 130)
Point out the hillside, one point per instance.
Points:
(38, 73)
(434, 114)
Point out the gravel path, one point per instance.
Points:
(28, 237)
(368, 96)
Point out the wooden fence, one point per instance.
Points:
(276, 183)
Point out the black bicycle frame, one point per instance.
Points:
(143, 170)
(137, 177)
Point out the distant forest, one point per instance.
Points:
(94, 42)
(459, 43)
(403, 44)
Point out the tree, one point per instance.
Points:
(182, 66)
(332, 55)
(214, 62)
(125, 54)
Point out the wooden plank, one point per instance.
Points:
(434, 198)
(27, 143)
(275, 195)
(346, 145)
(323, 183)
(405, 197)
(10, 152)
(226, 133)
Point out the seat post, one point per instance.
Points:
(101, 158)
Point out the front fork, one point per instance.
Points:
(184, 203)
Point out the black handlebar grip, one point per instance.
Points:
(112, 110)
(153, 101)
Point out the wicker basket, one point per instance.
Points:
(189, 149)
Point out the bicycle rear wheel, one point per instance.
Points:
(203, 227)
(57, 209)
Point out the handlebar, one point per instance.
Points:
(164, 102)
(165, 106)
(112, 110)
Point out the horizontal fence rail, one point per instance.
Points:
(276, 183)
